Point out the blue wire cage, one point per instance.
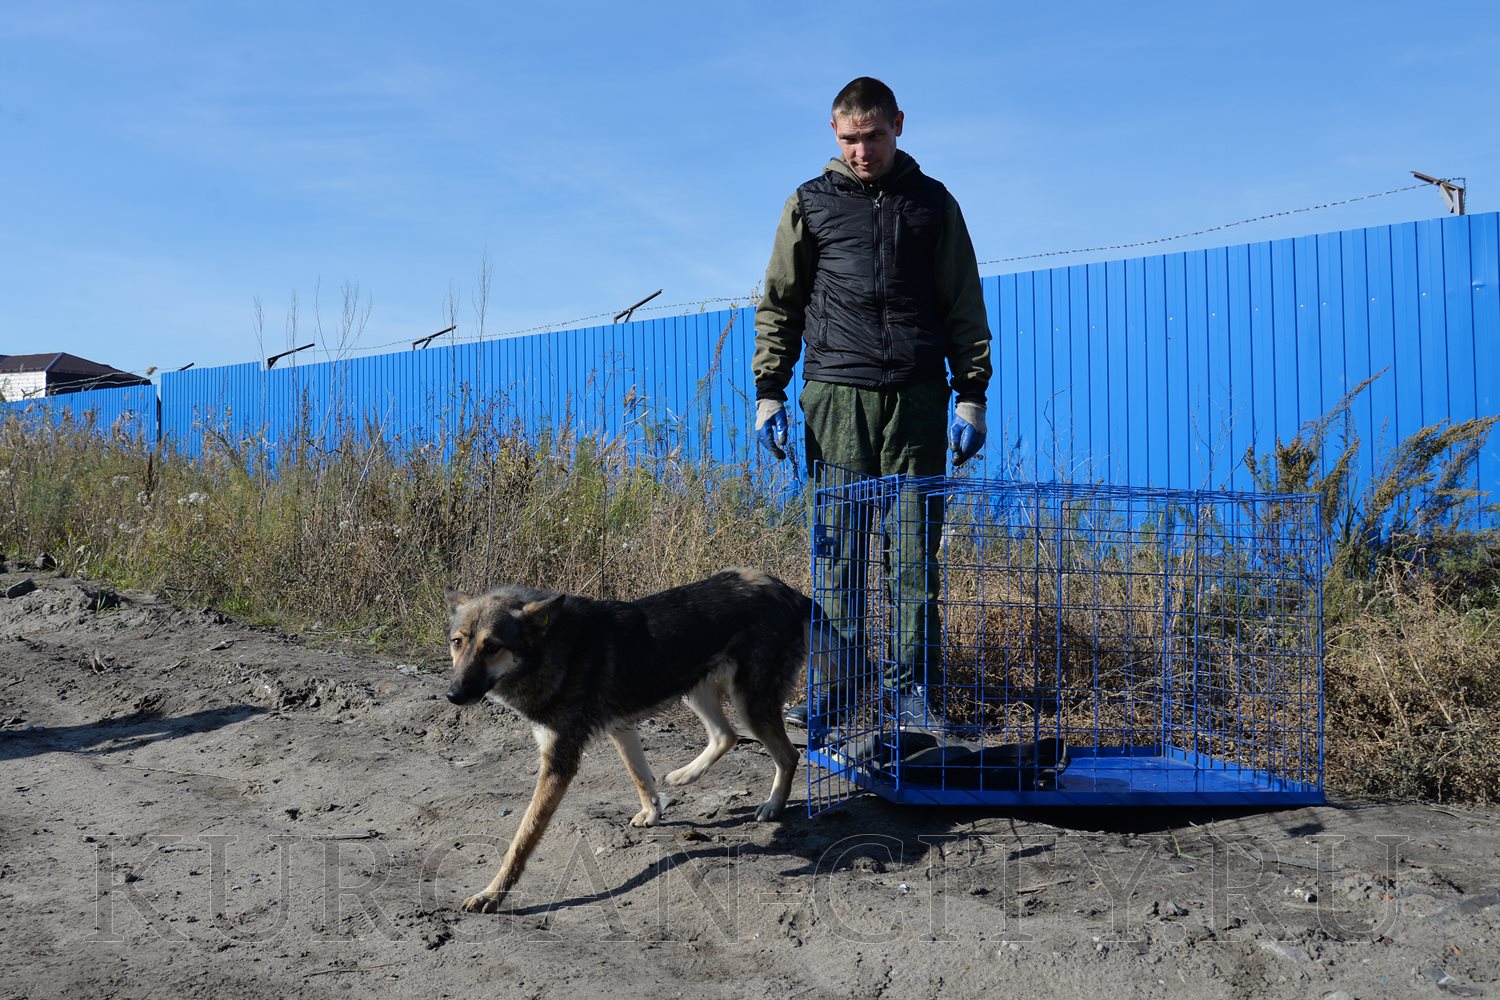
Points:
(990, 642)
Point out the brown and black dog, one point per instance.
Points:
(577, 667)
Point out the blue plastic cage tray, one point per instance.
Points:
(983, 642)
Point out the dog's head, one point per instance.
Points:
(493, 635)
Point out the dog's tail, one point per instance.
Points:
(789, 600)
(820, 639)
(834, 679)
(819, 633)
(822, 635)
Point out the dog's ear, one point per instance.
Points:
(455, 598)
(539, 615)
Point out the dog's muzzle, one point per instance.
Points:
(460, 694)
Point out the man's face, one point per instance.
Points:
(868, 144)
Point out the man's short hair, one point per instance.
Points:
(866, 97)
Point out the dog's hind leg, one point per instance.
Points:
(707, 702)
(627, 741)
(559, 765)
(761, 712)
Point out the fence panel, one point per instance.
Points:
(129, 411)
(1154, 371)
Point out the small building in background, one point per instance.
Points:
(31, 376)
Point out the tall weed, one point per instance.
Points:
(1412, 608)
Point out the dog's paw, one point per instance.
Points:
(685, 775)
(767, 811)
(484, 902)
(646, 817)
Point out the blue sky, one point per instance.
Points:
(167, 166)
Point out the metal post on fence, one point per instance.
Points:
(271, 361)
(421, 342)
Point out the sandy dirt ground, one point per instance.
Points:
(195, 807)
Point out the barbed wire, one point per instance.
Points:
(1214, 229)
(703, 303)
(565, 324)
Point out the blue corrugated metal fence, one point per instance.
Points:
(1157, 370)
(129, 412)
(676, 383)
(1164, 370)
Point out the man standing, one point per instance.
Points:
(873, 282)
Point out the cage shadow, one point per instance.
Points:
(871, 830)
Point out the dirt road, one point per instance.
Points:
(193, 807)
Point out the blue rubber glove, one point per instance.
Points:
(770, 426)
(966, 433)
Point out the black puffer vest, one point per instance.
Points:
(873, 317)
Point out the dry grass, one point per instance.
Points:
(1412, 606)
(358, 540)
(1413, 687)
(1163, 626)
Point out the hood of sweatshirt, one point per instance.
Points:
(902, 166)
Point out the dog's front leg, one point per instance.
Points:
(627, 741)
(557, 770)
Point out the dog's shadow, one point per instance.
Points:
(869, 832)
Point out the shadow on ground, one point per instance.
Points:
(869, 832)
(109, 736)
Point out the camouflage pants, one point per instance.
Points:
(883, 432)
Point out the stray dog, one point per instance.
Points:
(576, 667)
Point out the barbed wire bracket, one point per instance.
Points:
(421, 342)
(1453, 194)
(271, 361)
(623, 316)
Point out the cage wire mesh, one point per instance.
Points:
(995, 642)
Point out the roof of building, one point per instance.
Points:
(59, 363)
